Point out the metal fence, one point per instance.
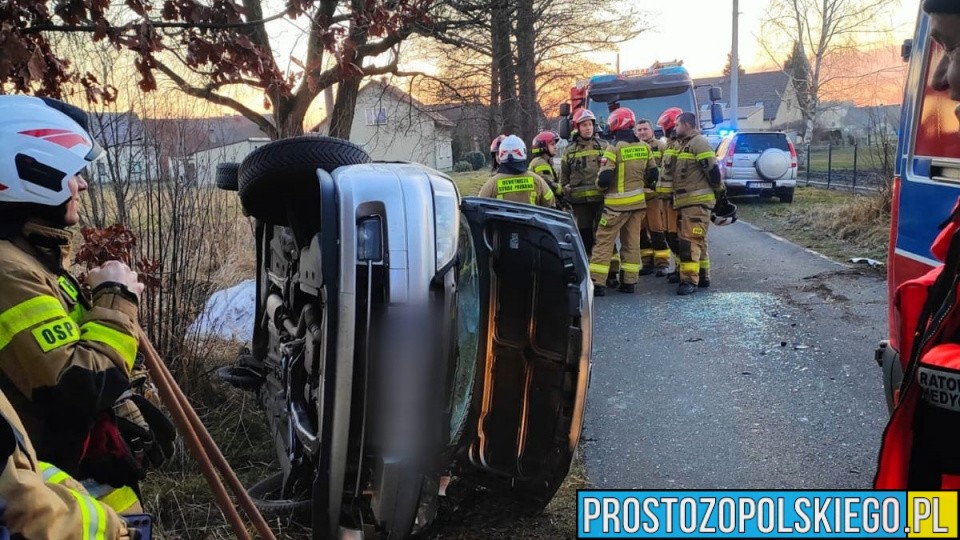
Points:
(867, 166)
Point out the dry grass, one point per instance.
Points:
(471, 182)
(838, 224)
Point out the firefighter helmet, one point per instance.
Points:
(668, 120)
(542, 139)
(512, 149)
(582, 116)
(43, 143)
(724, 213)
(622, 118)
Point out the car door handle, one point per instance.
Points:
(945, 170)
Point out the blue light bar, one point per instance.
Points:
(673, 70)
(603, 78)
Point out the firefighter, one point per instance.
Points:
(66, 356)
(544, 149)
(654, 251)
(696, 187)
(918, 449)
(494, 147)
(623, 180)
(668, 162)
(39, 501)
(513, 182)
(579, 168)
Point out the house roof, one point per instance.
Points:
(872, 115)
(403, 97)
(112, 129)
(752, 88)
(199, 134)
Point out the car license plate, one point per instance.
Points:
(761, 185)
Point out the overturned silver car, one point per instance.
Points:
(404, 333)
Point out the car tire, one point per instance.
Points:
(772, 164)
(785, 195)
(282, 173)
(227, 176)
(264, 495)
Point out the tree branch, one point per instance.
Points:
(155, 24)
(211, 96)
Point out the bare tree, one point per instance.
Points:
(472, 70)
(818, 30)
(211, 48)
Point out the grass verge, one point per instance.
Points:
(838, 224)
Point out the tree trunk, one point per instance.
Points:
(503, 54)
(527, 71)
(341, 118)
(493, 126)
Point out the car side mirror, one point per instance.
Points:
(716, 113)
(564, 109)
(716, 94)
(906, 49)
(565, 128)
(227, 177)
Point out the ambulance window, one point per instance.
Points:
(938, 130)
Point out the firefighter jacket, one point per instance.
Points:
(542, 167)
(691, 186)
(41, 501)
(632, 162)
(525, 187)
(64, 359)
(579, 167)
(668, 164)
(656, 151)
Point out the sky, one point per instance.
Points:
(705, 56)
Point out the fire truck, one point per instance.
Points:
(926, 185)
(647, 92)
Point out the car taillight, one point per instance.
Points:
(793, 153)
(730, 151)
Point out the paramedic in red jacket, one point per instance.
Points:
(919, 447)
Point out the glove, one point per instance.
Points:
(713, 176)
(107, 457)
(651, 177)
(605, 180)
(146, 430)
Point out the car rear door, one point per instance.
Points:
(533, 356)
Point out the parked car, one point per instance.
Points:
(763, 163)
(402, 332)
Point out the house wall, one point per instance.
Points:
(390, 129)
(201, 167)
(133, 162)
(789, 110)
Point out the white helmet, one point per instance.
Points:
(724, 213)
(43, 143)
(512, 149)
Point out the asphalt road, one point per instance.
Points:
(765, 380)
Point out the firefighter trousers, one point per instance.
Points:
(671, 222)
(587, 216)
(627, 225)
(656, 225)
(693, 225)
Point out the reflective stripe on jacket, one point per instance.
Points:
(579, 167)
(524, 187)
(64, 359)
(631, 161)
(43, 502)
(690, 184)
(668, 165)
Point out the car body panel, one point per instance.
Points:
(740, 173)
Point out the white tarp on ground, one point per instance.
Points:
(229, 314)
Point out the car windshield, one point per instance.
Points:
(646, 104)
(756, 143)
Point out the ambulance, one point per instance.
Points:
(926, 186)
